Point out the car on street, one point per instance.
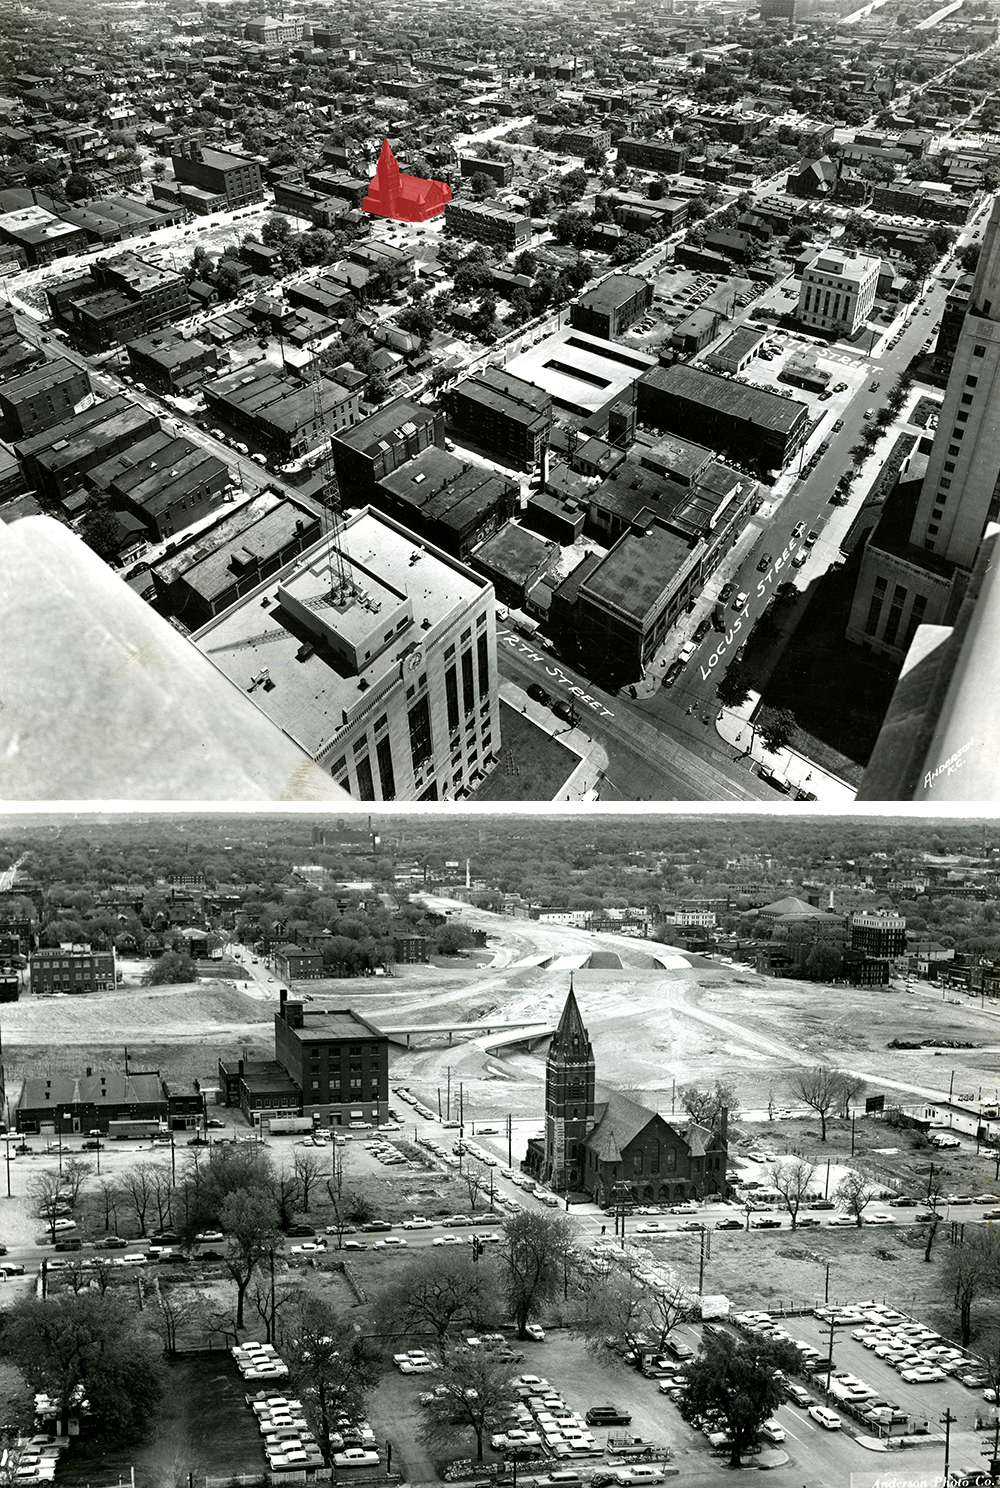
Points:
(627, 1476)
(765, 1224)
(701, 629)
(838, 424)
(812, 537)
(673, 671)
(772, 1430)
(565, 711)
(798, 1393)
(418, 1223)
(728, 1224)
(842, 1220)
(825, 1417)
(726, 592)
(739, 602)
(868, 414)
(389, 1240)
(800, 559)
(539, 695)
(798, 529)
(765, 563)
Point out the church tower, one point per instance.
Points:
(569, 1098)
(387, 174)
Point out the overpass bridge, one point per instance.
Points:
(499, 1031)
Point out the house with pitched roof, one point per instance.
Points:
(616, 1150)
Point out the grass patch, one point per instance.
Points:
(533, 766)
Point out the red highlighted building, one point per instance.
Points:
(404, 198)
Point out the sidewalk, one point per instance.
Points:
(734, 727)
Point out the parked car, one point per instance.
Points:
(539, 695)
(565, 711)
(765, 563)
(532, 1330)
(826, 1418)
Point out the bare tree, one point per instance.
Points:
(475, 1182)
(75, 1173)
(616, 1310)
(473, 1390)
(791, 1177)
(110, 1196)
(706, 1106)
(46, 1196)
(308, 1170)
(973, 1266)
(162, 1192)
(135, 1187)
(270, 1300)
(436, 1291)
(824, 1090)
(175, 1308)
(855, 1193)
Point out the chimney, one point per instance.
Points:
(282, 999)
(239, 1068)
(89, 1071)
(294, 1014)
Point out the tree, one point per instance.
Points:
(101, 531)
(135, 1188)
(171, 968)
(777, 730)
(379, 387)
(473, 1390)
(77, 186)
(249, 1219)
(823, 1090)
(92, 1346)
(75, 1173)
(735, 1383)
(973, 1268)
(435, 1292)
(308, 1170)
(481, 185)
(855, 1193)
(706, 1107)
(536, 1251)
(475, 1181)
(47, 1198)
(228, 279)
(734, 686)
(968, 259)
(617, 1310)
(791, 1178)
(331, 1365)
(275, 231)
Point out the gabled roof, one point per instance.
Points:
(617, 1122)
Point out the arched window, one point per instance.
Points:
(654, 1155)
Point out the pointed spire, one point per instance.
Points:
(571, 1038)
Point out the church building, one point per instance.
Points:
(616, 1149)
(403, 198)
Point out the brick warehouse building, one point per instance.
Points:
(615, 1149)
(329, 1063)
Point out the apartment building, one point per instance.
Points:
(488, 225)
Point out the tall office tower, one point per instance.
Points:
(918, 558)
(376, 653)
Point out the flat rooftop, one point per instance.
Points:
(631, 580)
(580, 372)
(336, 1023)
(38, 379)
(310, 693)
(613, 292)
(737, 399)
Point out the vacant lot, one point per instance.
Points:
(203, 1427)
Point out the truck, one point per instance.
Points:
(278, 1124)
(134, 1130)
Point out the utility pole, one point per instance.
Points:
(826, 1289)
(947, 1420)
(510, 1139)
(705, 1245)
(829, 1353)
